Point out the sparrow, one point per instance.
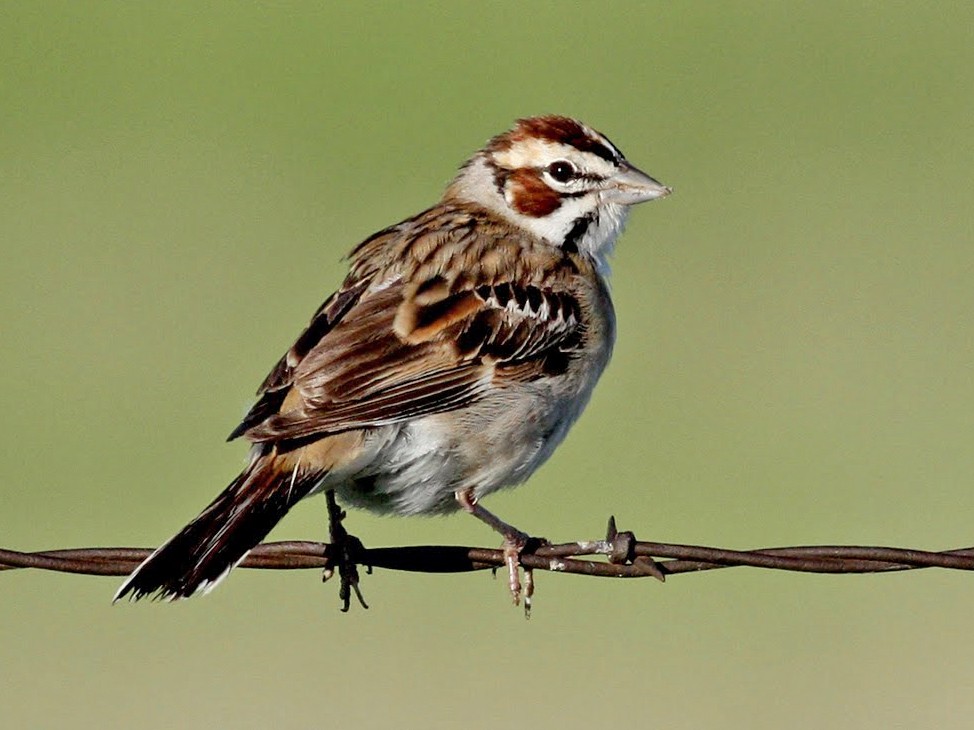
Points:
(461, 347)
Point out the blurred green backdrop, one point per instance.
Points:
(794, 365)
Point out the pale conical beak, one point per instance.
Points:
(630, 186)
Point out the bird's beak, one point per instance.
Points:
(630, 186)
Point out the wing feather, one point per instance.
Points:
(274, 389)
(436, 313)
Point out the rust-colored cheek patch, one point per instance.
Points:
(530, 195)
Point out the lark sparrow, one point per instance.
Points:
(459, 350)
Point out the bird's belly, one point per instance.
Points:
(416, 467)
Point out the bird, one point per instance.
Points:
(462, 345)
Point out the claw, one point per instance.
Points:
(512, 552)
(528, 591)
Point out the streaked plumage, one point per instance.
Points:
(461, 347)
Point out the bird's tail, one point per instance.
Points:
(204, 551)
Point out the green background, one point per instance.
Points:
(794, 364)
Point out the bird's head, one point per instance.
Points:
(560, 180)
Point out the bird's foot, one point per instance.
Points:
(514, 547)
(344, 551)
(515, 544)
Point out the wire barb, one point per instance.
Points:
(622, 551)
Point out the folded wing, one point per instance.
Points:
(380, 354)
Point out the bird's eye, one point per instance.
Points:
(562, 171)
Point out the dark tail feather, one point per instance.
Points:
(204, 551)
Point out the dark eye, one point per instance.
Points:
(562, 171)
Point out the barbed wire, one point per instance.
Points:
(623, 556)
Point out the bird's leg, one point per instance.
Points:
(514, 542)
(344, 551)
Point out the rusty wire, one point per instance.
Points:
(622, 556)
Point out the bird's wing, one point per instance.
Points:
(382, 352)
(278, 382)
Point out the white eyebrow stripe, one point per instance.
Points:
(534, 152)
